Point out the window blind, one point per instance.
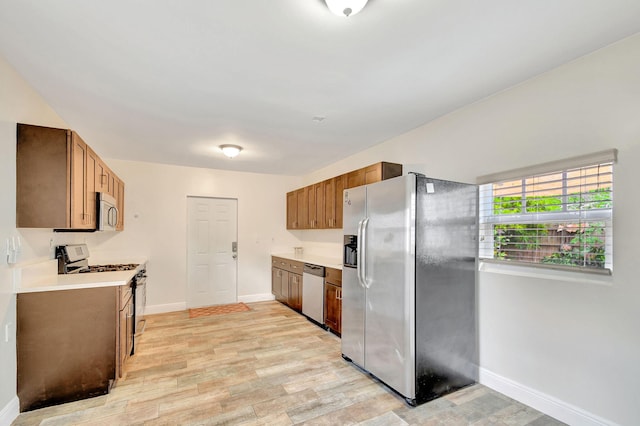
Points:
(557, 219)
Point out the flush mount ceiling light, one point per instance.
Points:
(345, 8)
(230, 150)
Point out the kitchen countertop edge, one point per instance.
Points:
(59, 282)
(327, 262)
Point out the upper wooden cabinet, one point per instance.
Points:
(373, 173)
(57, 177)
(120, 204)
(333, 201)
(315, 201)
(319, 206)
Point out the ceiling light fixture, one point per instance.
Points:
(345, 8)
(230, 150)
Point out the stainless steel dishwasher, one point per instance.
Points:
(313, 292)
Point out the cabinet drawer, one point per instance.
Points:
(296, 267)
(287, 265)
(333, 276)
(278, 262)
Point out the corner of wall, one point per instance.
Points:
(10, 412)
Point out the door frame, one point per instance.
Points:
(188, 287)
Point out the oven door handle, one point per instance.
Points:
(144, 325)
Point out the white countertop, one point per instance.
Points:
(44, 277)
(328, 262)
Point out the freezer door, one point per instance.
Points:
(388, 250)
(352, 288)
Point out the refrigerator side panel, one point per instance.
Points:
(389, 277)
(446, 253)
(353, 293)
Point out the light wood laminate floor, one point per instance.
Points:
(267, 366)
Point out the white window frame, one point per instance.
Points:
(486, 232)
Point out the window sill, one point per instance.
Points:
(544, 273)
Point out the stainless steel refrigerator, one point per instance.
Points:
(408, 284)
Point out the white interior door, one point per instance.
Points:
(211, 251)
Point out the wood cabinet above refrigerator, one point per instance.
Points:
(57, 177)
(319, 206)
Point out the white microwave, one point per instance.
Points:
(107, 212)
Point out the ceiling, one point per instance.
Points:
(168, 81)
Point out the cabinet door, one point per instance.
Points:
(92, 161)
(339, 189)
(295, 292)
(102, 177)
(333, 307)
(120, 205)
(329, 196)
(292, 210)
(280, 285)
(355, 178)
(373, 173)
(316, 205)
(303, 209)
(79, 214)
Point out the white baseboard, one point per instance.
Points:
(10, 412)
(256, 298)
(168, 307)
(547, 404)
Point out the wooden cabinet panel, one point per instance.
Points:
(286, 281)
(280, 284)
(102, 177)
(295, 292)
(120, 205)
(355, 178)
(292, 210)
(66, 345)
(316, 205)
(83, 213)
(319, 206)
(333, 189)
(57, 176)
(303, 208)
(340, 182)
(382, 171)
(333, 299)
(373, 173)
(90, 182)
(78, 173)
(333, 276)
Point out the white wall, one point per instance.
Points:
(542, 339)
(18, 103)
(156, 221)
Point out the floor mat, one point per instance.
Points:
(218, 310)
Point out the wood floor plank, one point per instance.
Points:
(266, 366)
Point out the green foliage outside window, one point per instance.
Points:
(586, 247)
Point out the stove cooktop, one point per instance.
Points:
(110, 268)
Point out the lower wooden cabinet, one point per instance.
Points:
(295, 292)
(333, 300)
(286, 282)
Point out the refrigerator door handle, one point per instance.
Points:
(363, 249)
(359, 255)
